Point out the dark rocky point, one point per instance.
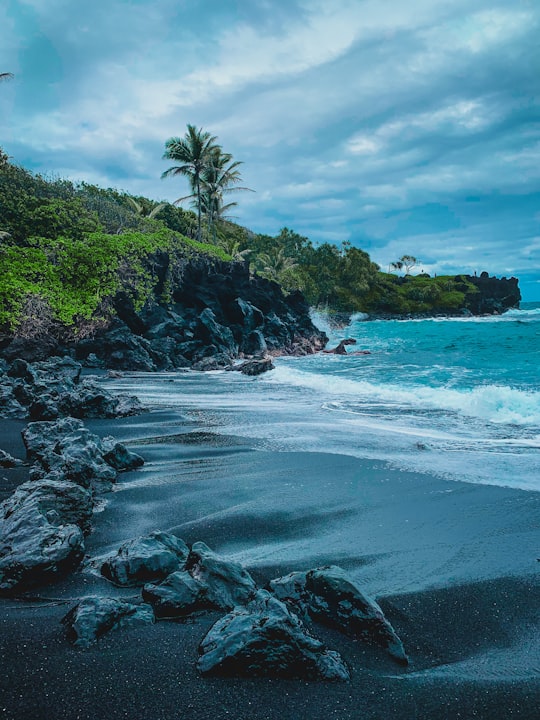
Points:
(54, 388)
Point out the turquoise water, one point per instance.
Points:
(457, 397)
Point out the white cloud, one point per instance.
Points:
(344, 113)
(480, 31)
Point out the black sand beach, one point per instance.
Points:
(453, 565)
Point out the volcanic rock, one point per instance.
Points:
(177, 596)
(264, 639)
(327, 595)
(146, 559)
(95, 616)
(38, 538)
(227, 583)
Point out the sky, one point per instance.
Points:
(401, 127)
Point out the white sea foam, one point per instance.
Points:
(526, 315)
(494, 403)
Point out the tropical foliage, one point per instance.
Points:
(211, 174)
(66, 249)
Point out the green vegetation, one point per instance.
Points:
(210, 171)
(67, 249)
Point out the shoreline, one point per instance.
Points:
(463, 597)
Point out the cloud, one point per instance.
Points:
(403, 127)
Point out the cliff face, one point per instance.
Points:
(215, 312)
(495, 295)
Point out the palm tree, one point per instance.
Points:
(218, 178)
(275, 264)
(6, 76)
(192, 153)
(232, 247)
(142, 211)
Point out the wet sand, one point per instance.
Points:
(454, 566)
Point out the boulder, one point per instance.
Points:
(78, 455)
(256, 366)
(146, 559)
(177, 596)
(90, 400)
(95, 616)
(264, 639)
(227, 583)
(118, 456)
(61, 502)
(36, 546)
(327, 595)
(38, 437)
(60, 369)
(216, 361)
(7, 461)
(66, 447)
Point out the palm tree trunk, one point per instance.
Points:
(198, 208)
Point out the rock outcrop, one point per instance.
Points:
(43, 523)
(95, 616)
(67, 449)
(54, 388)
(263, 634)
(264, 639)
(146, 559)
(327, 595)
(494, 296)
(218, 312)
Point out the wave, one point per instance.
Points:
(525, 316)
(494, 403)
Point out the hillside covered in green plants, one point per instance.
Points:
(67, 249)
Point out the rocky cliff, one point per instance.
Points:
(495, 295)
(215, 312)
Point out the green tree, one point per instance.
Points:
(221, 176)
(232, 246)
(144, 210)
(405, 261)
(192, 152)
(275, 265)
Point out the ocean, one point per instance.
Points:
(455, 397)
